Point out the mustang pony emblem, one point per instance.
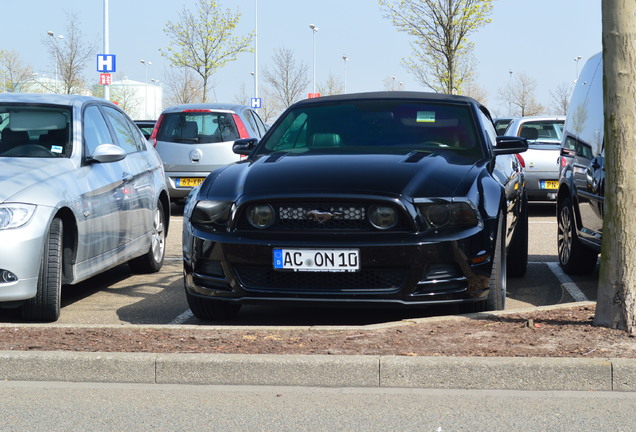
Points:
(320, 216)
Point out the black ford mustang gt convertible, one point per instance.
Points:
(388, 199)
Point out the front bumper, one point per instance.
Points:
(396, 269)
(21, 252)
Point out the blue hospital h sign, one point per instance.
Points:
(106, 63)
(256, 103)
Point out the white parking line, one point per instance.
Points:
(182, 318)
(567, 282)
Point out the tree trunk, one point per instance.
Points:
(617, 282)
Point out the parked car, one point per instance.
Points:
(195, 139)
(542, 158)
(81, 191)
(387, 198)
(582, 177)
(501, 124)
(146, 127)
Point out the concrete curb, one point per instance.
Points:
(508, 373)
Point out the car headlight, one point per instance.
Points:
(211, 214)
(261, 216)
(382, 217)
(15, 215)
(456, 215)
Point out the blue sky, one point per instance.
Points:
(538, 37)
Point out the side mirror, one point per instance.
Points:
(244, 146)
(105, 153)
(510, 145)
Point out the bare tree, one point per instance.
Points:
(269, 109)
(473, 90)
(332, 86)
(15, 73)
(520, 95)
(561, 98)
(442, 55)
(182, 86)
(125, 96)
(288, 79)
(616, 299)
(204, 42)
(70, 55)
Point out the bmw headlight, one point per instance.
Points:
(382, 217)
(15, 215)
(454, 215)
(261, 216)
(211, 214)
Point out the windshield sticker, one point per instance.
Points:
(425, 117)
(57, 149)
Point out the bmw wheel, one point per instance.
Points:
(45, 306)
(152, 261)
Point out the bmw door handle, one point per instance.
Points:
(127, 177)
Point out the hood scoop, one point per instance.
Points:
(274, 157)
(415, 156)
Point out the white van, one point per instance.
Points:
(582, 173)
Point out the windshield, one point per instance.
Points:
(375, 126)
(34, 131)
(542, 131)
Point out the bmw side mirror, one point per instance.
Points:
(244, 146)
(105, 153)
(510, 145)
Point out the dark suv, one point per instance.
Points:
(582, 173)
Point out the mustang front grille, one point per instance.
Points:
(323, 216)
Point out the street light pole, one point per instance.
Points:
(146, 64)
(314, 29)
(256, 52)
(509, 91)
(57, 54)
(577, 59)
(106, 45)
(345, 59)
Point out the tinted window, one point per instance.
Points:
(546, 131)
(127, 133)
(383, 126)
(192, 127)
(35, 131)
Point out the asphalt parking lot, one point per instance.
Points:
(119, 297)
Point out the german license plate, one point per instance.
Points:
(317, 260)
(549, 184)
(189, 181)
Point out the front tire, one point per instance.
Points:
(212, 310)
(152, 261)
(517, 256)
(497, 290)
(574, 257)
(45, 306)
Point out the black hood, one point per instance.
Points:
(283, 174)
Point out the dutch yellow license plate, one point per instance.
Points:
(189, 181)
(549, 184)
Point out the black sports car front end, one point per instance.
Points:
(372, 199)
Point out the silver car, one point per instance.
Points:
(81, 191)
(542, 158)
(195, 139)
